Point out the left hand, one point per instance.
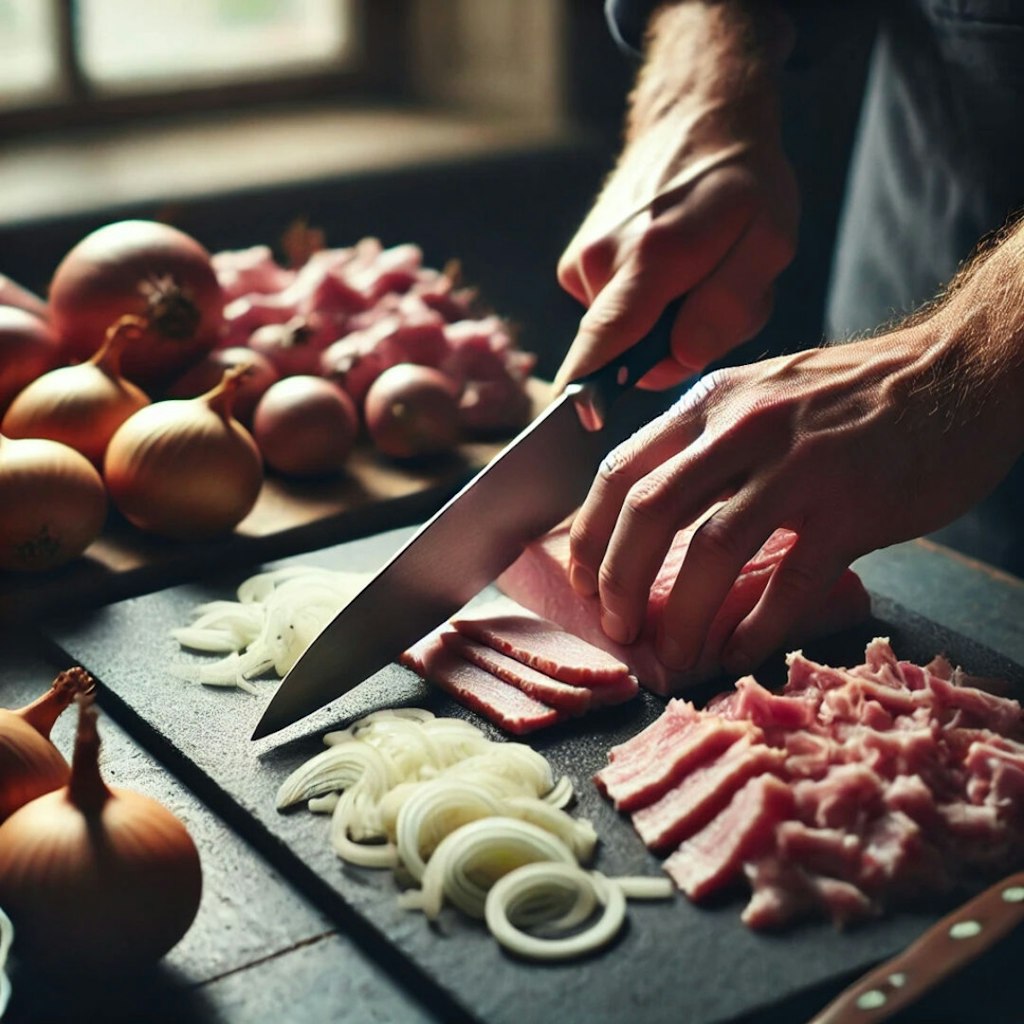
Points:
(853, 448)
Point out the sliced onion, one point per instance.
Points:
(577, 833)
(471, 859)
(520, 895)
(352, 833)
(336, 768)
(433, 811)
(6, 938)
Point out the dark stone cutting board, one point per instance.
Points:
(673, 962)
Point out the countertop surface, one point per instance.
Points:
(284, 934)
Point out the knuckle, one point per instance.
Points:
(716, 541)
(612, 588)
(649, 500)
(797, 580)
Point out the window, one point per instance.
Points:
(75, 61)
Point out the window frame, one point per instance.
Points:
(378, 71)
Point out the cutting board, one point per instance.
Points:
(673, 962)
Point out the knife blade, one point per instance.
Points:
(529, 487)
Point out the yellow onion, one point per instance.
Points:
(30, 765)
(52, 503)
(81, 406)
(185, 468)
(97, 877)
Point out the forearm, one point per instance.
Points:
(722, 56)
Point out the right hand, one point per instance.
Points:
(703, 202)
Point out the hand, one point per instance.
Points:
(702, 202)
(853, 448)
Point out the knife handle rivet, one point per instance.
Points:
(622, 377)
(1014, 894)
(872, 999)
(965, 929)
(897, 980)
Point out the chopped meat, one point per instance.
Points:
(713, 858)
(511, 629)
(539, 579)
(633, 782)
(702, 793)
(477, 688)
(899, 781)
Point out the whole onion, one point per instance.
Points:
(17, 295)
(144, 269)
(305, 426)
(52, 503)
(30, 765)
(412, 410)
(27, 349)
(96, 877)
(185, 468)
(81, 405)
(205, 374)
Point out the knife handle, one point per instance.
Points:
(943, 949)
(595, 393)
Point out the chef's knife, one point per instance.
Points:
(525, 490)
(944, 948)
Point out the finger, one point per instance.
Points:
(649, 447)
(714, 560)
(800, 582)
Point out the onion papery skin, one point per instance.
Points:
(30, 765)
(52, 504)
(205, 374)
(145, 269)
(181, 469)
(110, 890)
(28, 349)
(83, 405)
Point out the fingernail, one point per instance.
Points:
(616, 628)
(582, 580)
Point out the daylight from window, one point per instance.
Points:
(28, 54)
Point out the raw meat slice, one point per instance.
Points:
(701, 794)
(710, 860)
(574, 700)
(633, 783)
(539, 580)
(511, 629)
(478, 689)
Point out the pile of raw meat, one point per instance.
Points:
(351, 313)
(852, 790)
(518, 670)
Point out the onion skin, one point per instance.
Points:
(52, 504)
(145, 269)
(209, 371)
(28, 348)
(30, 765)
(412, 410)
(82, 405)
(97, 878)
(305, 426)
(185, 468)
(17, 295)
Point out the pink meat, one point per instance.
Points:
(635, 783)
(511, 629)
(539, 580)
(702, 793)
(713, 858)
(507, 706)
(574, 700)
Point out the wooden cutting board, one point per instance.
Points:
(372, 495)
(673, 962)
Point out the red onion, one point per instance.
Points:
(28, 349)
(148, 270)
(259, 375)
(412, 410)
(305, 426)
